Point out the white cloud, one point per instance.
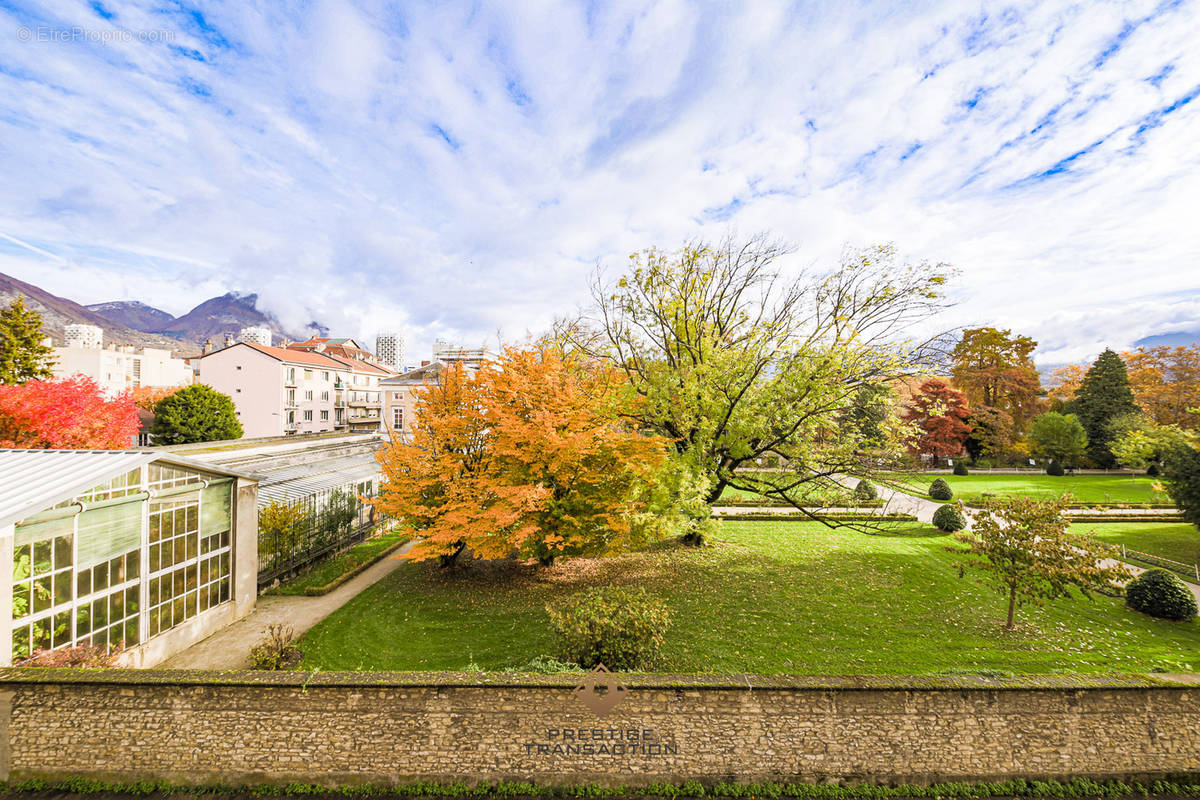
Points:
(458, 169)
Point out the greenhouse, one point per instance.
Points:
(137, 551)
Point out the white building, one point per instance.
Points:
(255, 334)
(83, 336)
(447, 353)
(389, 349)
(120, 368)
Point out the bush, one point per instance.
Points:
(1152, 470)
(948, 519)
(276, 651)
(960, 469)
(1161, 594)
(940, 490)
(616, 626)
(1055, 468)
(83, 656)
(865, 490)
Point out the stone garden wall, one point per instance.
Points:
(343, 728)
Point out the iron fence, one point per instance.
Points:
(1190, 572)
(295, 534)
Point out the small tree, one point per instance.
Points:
(939, 412)
(196, 413)
(1024, 547)
(71, 414)
(1059, 437)
(23, 356)
(1182, 472)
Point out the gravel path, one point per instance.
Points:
(229, 648)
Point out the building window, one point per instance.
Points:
(324, 416)
(324, 376)
(308, 416)
(291, 418)
(291, 397)
(308, 373)
(325, 395)
(397, 418)
(308, 395)
(189, 556)
(395, 395)
(239, 367)
(291, 374)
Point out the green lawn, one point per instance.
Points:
(326, 571)
(813, 494)
(766, 597)
(1085, 488)
(1178, 541)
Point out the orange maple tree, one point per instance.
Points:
(526, 456)
(1166, 383)
(147, 397)
(939, 412)
(65, 414)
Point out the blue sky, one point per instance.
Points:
(456, 170)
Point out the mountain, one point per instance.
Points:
(228, 313)
(133, 314)
(1180, 339)
(58, 312)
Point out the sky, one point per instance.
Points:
(457, 170)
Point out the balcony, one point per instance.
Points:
(364, 404)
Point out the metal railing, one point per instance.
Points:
(315, 529)
(1190, 572)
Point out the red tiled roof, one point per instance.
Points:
(354, 363)
(295, 356)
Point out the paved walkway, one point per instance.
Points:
(229, 648)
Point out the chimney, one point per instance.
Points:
(425, 362)
(207, 348)
(228, 340)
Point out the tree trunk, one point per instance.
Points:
(1012, 607)
(451, 559)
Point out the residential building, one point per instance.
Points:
(400, 393)
(83, 336)
(145, 551)
(255, 334)
(118, 368)
(346, 348)
(449, 354)
(389, 349)
(361, 393)
(278, 391)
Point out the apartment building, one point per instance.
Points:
(117, 368)
(400, 397)
(360, 392)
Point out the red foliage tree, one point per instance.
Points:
(65, 414)
(938, 412)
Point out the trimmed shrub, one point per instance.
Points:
(865, 490)
(619, 627)
(948, 519)
(940, 490)
(1055, 468)
(1161, 594)
(960, 469)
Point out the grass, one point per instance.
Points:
(1085, 488)
(787, 597)
(814, 494)
(1178, 541)
(326, 571)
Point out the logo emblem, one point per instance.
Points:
(600, 691)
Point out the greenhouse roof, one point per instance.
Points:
(300, 480)
(33, 480)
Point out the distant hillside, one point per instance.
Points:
(1181, 339)
(133, 314)
(228, 313)
(58, 312)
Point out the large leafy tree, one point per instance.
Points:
(196, 413)
(1182, 471)
(1103, 396)
(995, 368)
(68, 414)
(938, 412)
(1058, 436)
(23, 356)
(528, 457)
(992, 433)
(732, 361)
(1166, 383)
(1027, 552)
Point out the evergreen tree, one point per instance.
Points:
(1103, 396)
(197, 413)
(23, 357)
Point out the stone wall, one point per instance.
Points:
(387, 728)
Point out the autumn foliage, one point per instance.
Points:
(65, 414)
(939, 413)
(525, 456)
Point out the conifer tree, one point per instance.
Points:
(1103, 396)
(23, 357)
